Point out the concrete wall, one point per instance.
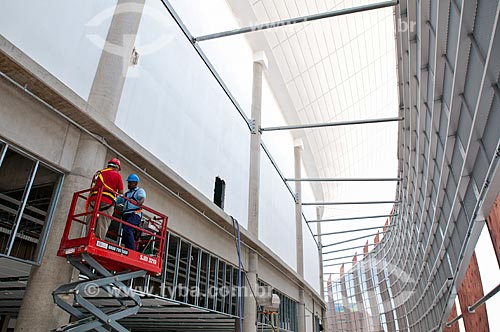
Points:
(226, 54)
(277, 214)
(173, 107)
(36, 129)
(68, 46)
(311, 258)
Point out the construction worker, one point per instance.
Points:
(111, 181)
(132, 212)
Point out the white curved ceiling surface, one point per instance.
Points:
(341, 69)
(335, 69)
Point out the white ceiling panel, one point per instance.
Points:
(340, 69)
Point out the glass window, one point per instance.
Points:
(27, 192)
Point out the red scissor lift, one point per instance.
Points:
(106, 265)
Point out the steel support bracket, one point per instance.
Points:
(253, 126)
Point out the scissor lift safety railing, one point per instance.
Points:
(106, 266)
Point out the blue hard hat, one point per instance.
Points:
(133, 178)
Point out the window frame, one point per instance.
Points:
(4, 147)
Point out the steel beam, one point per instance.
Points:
(351, 248)
(342, 263)
(301, 19)
(337, 264)
(354, 218)
(355, 230)
(331, 124)
(20, 210)
(207, 62)
(3, 152)
(198, 276)
(473, 307)
(343, 257)
(352, 203)
(454, 320)
(344, 180)
(354, 239)
(482, 300)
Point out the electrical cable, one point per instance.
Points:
(236, 231)
(236, 227)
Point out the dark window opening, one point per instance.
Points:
(27, 198)
(219, 192)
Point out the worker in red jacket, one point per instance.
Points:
(112, 183)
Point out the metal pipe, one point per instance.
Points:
(354, 218)
(50, 217)
(3, 152)
(352, 203)
(472, 308)
(344, 179)
(331, 124)
(337, 264)
(207, 62)
(351, 248)
(337, 258)
(357, 238)
(296, 20)
(454, 320)
(355, 230)
(20, 210)
(485, 298)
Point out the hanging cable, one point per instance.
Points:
(236, 231)
(236, 227)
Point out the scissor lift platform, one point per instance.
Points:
(106, 265)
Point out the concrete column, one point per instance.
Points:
(116, 58)
(38, 312)
(259, 65)
(319, 216)
(250, 314)
(298, 149)
(301, 319)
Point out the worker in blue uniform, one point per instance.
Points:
(132, 211)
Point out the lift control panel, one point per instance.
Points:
(79, 236)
